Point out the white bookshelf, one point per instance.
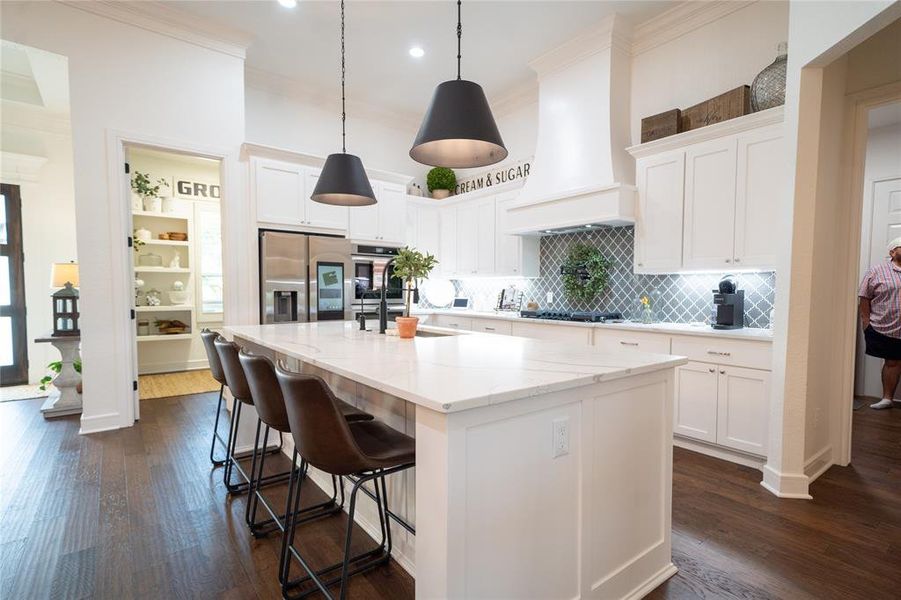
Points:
(165, 308)
(173, 337)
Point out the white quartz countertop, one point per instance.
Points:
(746, 333)
(453, 372)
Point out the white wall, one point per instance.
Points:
(707, 61)
(48, 222)
(280, 120)
(127, 79)
(819, 33)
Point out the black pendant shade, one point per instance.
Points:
(343, 182)
(458, 130)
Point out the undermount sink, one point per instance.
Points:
(428, 334)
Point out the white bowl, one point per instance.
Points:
(178, 298)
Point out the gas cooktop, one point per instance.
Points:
(575, 315)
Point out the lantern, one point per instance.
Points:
(65, 300)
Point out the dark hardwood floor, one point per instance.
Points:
(137, 513)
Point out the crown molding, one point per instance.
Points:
(680, 20)
(167, 20)
(297, 90)
(513, 98)
(250, 150)
(610, 32)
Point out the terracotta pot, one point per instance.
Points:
(406, 326)
(440, 194)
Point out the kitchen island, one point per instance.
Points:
(542, 470)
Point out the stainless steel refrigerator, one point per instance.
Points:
(304, 278)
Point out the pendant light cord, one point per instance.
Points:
(459, 37)
(343, 110)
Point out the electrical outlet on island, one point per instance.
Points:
(561, 436)
(550, 298)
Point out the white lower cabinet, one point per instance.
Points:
(451, 322)
(742, 415)
(694, 412)
(492, 326)
(723, 405)
(579, 336)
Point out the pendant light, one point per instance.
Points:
(458, 130)
(343, 181)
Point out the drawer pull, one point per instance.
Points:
(715, 353)
(628, 343)
(712, 370)
(489, 329)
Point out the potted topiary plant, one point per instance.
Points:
(149, 193)
(441, 181)
(411, 266)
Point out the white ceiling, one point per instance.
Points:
(499, 38)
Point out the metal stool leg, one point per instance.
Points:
(213, 460)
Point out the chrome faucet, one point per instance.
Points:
(383, 303)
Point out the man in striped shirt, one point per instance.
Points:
(880, 315)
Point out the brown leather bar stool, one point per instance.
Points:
(216, 369)
(237, 385)
(367, 450)
(270, 405)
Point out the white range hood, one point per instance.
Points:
(581, 175)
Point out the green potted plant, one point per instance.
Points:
(149, 193)
(55, 367)
(441, 181)
(411, 265)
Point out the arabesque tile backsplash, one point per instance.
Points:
(679, 298)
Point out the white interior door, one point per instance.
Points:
(886, 226)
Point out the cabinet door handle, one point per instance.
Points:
(722, 372)
(737, 260)
(715, 353)
(712, 370)
(640, 264)
(628, 343)
(728, 261)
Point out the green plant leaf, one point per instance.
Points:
(587, 258)
(441, 178)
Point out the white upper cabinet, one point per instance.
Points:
(515, 255)
(761, 186)
(318, 214)
(423, 228)
(707, 196)
(383, 222)
(447, 243)
(708, 234)
(467, 239)
(486, 239)
(658, 226)
(282, 191)
(279, 189)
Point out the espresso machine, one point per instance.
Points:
(728, 305)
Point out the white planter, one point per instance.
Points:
(440, 194)
(153, 205)
(143, 235)
(137, 201)
(168, 203)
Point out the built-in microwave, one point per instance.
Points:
(369, 264)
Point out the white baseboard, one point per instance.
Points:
(98, 423)
(652, 583)
(786, 485)
(173, 367)
(741, 458)
(818, 464)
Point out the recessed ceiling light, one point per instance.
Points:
(417, 52)
(288, 3)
